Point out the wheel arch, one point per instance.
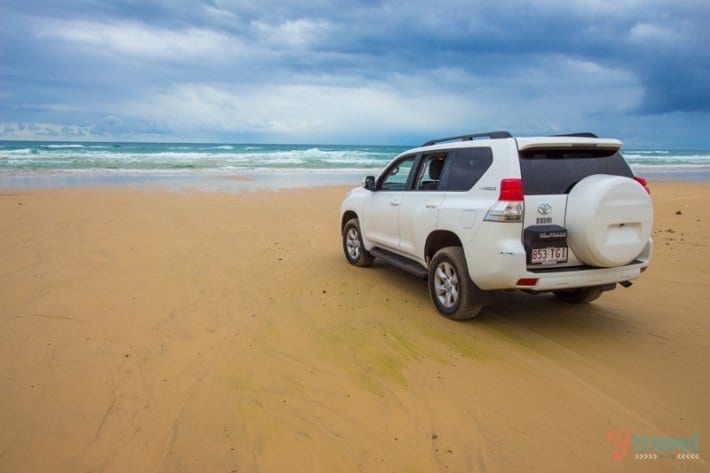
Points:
(347, 216)
(437, 240)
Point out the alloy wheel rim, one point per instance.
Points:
(352, 244)
(446, 285)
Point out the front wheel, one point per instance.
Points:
(582, 295)
(355, 251)
(450, 286)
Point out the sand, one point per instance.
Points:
(148, 330)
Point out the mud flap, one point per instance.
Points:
(479, 296)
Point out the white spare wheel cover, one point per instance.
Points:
(608, 220)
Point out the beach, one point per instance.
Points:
(147, 329)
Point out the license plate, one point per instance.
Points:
(549, 255)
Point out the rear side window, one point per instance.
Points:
(464, 167)
(556, 171)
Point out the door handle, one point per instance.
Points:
(431, 205)
(394, 202)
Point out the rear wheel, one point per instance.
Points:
(355, 251)
(450, 286)
(582, 295)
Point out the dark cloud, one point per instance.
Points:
(75, 63)
(672, 89)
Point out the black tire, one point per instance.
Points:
(354, 249)
(450, 286)
(582, 295)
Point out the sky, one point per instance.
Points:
(354, 72)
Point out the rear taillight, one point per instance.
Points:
(643, 182)
(509, 207)
(511, 190)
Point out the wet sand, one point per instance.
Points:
(148, 330)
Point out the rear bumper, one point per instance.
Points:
(500, 263)
(553, 280)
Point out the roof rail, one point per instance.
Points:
(584, 134)
(493, 135)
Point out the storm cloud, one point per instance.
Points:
(375, 72)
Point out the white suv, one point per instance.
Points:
(488, 211)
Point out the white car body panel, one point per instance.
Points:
(379, 219)
(417, 219)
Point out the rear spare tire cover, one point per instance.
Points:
(608, 220)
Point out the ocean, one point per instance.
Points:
(50, 164)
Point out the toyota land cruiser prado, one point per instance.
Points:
(487, 212)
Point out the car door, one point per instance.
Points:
(381, 211)
(419, 208)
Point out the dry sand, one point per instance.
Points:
(143, 330)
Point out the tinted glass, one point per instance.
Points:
(464, 167)
(430, 172)
(556, 171)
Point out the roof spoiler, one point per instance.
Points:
(583, 134)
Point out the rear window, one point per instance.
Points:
(556, 171)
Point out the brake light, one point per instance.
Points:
(511, 190)
(643, 182)
(509, 207)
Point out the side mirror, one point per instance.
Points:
(369, 183)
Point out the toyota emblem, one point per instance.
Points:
(544, 208)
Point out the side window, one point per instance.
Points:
(430, 172)
(395, 178)
(464, 168)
